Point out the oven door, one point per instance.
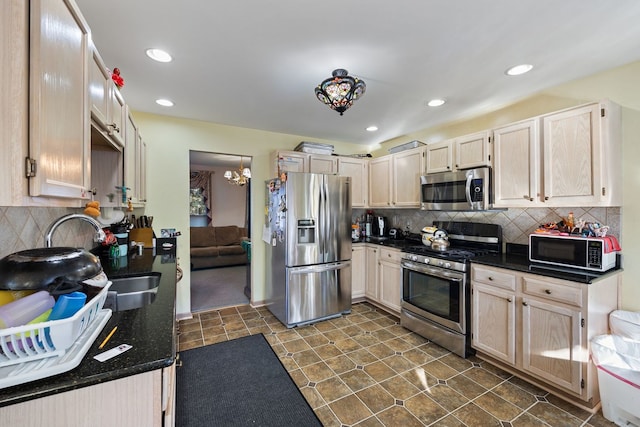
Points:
(435, 294)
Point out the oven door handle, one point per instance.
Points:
(437, 272)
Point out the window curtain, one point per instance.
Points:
(202, 181)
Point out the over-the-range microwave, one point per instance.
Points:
(585, 253)
(466, 190)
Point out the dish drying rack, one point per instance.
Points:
(39, 350)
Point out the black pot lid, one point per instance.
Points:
(38, 269)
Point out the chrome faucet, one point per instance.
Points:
(99, 237)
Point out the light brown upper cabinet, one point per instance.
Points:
(464, 152)
(568, 158)
(59, 124)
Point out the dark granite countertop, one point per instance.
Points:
(518, 262)
(150, 330)
(391, 243)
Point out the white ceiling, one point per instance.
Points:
(255, 63)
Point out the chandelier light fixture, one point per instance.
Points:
(339, 91)
(239, 177)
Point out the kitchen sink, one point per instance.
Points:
(131, 292)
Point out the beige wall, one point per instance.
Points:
(170, 139)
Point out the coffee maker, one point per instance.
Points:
(380, 227)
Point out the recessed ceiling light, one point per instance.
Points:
(372, 128)
(164, 102)
(518, 69)
(159, 55)
(436, 102)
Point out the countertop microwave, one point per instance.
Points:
(466, 190)
(585, 253)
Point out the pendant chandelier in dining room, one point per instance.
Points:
(240, 177)
(340, 90)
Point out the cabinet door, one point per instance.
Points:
(169, 396)
(357, 169)
(131, 159)
(516, 165)
(319, 163)
(472, 151)
(552, 343)
(117, 115)
(290, 161)
(407, 168)
(59, 123)
(99, 80)
(439, 157)
(493, 321)
(379, 182)
(371, 288)
(390, 279)
(358, 271)
(572, 156)
(142, 169)
(14, 120)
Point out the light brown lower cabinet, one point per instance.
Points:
(539, 328)
(139, 400)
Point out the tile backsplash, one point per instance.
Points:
(516, 224)
(24, 228)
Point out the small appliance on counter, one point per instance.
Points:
(396, 234)
(380, 227)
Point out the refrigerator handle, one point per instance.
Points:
(324, 229)
(319, 268)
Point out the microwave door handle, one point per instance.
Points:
(467, 190)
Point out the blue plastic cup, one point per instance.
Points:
(68, 305)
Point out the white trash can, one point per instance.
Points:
(625, 324)
(618, 362)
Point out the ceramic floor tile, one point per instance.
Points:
(364, 369)
(398, 416)
(350, 410)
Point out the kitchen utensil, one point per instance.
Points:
(58, 269)
(68, 305)
(440, 240)
(22, 311)
(427, 235)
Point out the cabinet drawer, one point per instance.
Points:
(552, 291)
(503, 279)
(390, 255)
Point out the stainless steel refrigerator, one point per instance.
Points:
(308, 240)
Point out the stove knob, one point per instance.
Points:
(440, 263)
(427, 260)
(414, 257)
(447, 265)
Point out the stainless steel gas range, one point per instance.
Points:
(435, 284)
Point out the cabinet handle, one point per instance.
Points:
(456, 166)
(546, 198)
(490, 279)
(524, 303)
(114, 127)
(527, 197)
(509, 300)
(547, 291)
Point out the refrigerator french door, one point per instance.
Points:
(308, 247)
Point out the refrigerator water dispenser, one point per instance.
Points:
(306, 231)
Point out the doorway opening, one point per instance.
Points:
(220, 220)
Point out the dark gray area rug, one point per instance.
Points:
(238, 383)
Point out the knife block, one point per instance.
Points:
(142, 235)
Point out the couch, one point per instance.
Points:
(217, 246)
